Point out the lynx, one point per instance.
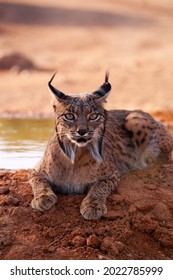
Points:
(91, 148)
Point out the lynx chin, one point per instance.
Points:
(91, 148)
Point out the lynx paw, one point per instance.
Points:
(92, 211)
(44, 201)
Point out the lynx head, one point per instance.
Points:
(80, 120)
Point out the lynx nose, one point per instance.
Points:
(82, 131)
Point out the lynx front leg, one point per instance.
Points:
(44, 197)
(94, 204)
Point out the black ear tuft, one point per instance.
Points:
(58, 94)
(52, 78)
(106, 77)
(103, 91)
(106, 87)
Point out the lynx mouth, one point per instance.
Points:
(82, 140)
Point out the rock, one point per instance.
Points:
(78, 241)
(108, 245)
(12, 200)
(4, 190)
(93, 241)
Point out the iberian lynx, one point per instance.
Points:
(91, 148)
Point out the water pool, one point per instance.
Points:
(22, 141)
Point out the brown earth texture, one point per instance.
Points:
(138, 225)
(134, 40)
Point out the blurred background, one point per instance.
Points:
(81, 40)
(133, 39)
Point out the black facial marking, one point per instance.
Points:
(143, 140)
(130, 133)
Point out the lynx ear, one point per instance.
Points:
(102, 92)
(58, 94)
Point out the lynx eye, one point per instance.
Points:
(93, 117)
(69, 117)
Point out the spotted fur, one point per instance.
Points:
(91, 148)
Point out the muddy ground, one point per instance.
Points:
(134, 40)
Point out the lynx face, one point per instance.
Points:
(79, 123)
(80, 120)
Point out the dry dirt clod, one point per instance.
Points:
(161, 212)
(93, 241)
(78, 241)
(144, 205)
(112, 215)
(144, 223)
(108, 245)
(78, 232)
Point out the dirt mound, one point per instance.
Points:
(138, 225)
